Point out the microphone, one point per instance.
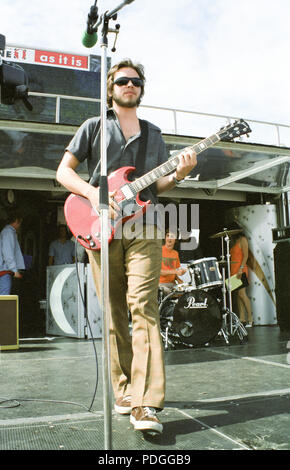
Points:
(90, 36)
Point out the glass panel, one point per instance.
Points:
(31, 149)
(217, 163)
(43, 110)
(25, 149)
(76, 112)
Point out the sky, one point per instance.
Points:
(212, 56)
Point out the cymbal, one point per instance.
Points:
(226, 232)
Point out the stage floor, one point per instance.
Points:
(219, 397)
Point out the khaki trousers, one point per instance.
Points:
(137, 363)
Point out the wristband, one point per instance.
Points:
(175, 180)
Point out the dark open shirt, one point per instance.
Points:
(85, 145)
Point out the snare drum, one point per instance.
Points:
(206, 273)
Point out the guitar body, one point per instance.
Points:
(85, 223)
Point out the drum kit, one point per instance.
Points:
(194, 313)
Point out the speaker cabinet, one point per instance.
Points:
(9, 322)
(282, 283)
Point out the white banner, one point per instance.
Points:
(41, 57)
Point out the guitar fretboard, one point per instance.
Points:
(144, 181)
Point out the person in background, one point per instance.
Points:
(170, 267)
(239, 255)
(61, 250)
(11, 258)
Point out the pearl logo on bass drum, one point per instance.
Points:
(192, 304)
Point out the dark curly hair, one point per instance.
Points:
(110, 78)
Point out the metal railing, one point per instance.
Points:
(176, 117)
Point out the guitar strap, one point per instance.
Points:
(141, 155)
(140, 159)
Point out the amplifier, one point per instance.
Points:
(9, 322)
(282, 284)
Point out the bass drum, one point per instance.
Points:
(197, 317)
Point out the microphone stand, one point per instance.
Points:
(104, 218)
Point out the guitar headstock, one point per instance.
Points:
(232, 131)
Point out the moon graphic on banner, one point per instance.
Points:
(55, 300)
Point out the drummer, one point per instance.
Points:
(170, 267)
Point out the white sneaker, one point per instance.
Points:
(144, 418)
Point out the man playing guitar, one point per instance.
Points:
(137, 366)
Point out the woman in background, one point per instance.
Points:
(239, 255)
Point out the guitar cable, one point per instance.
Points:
(89, 325)
(15, 402)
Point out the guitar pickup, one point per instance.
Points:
(127, 191)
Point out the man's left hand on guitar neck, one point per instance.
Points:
(187, 161)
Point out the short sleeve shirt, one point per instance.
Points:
(170, 260)
(63, 253)
(85, 145)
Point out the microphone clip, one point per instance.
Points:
(106, 29)
(92, 19)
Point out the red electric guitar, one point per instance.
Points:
(85, 222)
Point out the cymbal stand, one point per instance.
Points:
(232, 324)
(224, 329)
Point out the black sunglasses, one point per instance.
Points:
(137, 82)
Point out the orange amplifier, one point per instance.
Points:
(9, 322)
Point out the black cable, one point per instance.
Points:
(89, 325)
(4, 400)
(18, 400)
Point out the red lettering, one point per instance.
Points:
(19, 54)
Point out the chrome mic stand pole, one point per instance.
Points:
(104, 217)
(104, 210)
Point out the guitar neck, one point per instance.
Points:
(168, 167)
